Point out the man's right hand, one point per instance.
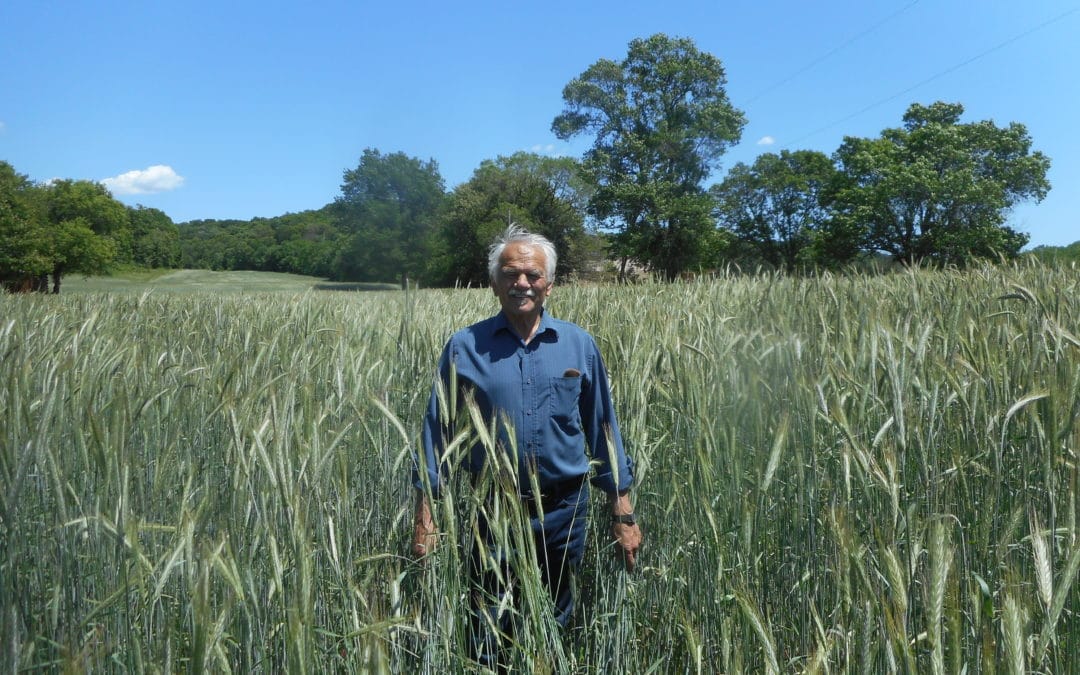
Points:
(425, 534)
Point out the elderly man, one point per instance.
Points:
(546, 378)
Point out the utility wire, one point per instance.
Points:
(937, 75)
(859, 36)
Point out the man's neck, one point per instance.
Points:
(524, 326)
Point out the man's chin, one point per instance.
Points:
(527, 308)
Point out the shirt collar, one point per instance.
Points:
(502, 323)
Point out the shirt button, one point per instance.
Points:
(528, 412)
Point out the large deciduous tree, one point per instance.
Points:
(775, 206)
(536, 192)
(54, 229)
(388, 204)
(661, 120)
(939, 190)
(88, 228)
(24, 258)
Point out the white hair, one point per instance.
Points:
(517, 234)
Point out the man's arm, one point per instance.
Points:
(627, 535)
(427, 465)
(616, 469)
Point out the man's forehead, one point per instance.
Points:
(517, 254)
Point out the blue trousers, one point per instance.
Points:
(560, 545)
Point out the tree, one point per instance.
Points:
(775, 206)
(308, 242)
(388, 205)
(87, 228)
(564, 175)
(661, 121)
(24, 258)
(64, 226)
(937, 189)
(522, 188)
(77, 248)
(155, 238)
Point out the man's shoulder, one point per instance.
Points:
(481, 329)
(569, 329)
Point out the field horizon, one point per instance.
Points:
(188, 281)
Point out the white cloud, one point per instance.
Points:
(3, 127)
(548, 149)
(766, 140)
(157, 178)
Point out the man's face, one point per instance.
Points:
(521, 283)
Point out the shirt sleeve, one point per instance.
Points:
(614, 469)
(429, 463)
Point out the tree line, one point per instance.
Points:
(934, 189)
(61, 227)
(395, 222)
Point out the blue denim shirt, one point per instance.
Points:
(551, 394)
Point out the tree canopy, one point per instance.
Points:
(937, 189)
(388, 205)
(24, 255)
(88, 228)
(57, 228)
(775, 206)
(155, 238)
(660, 120)
(536, 192)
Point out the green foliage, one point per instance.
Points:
(1059, 255)
(536, 192)
(937, 189)
(563, 174)
(62, 227)
(388, 206)
(77, 248)
(300, 243)
(775, 207)
(155, 238)
(660, 120)
(90, 202)
(23, 237)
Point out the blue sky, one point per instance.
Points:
(238, 110)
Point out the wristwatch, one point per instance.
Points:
(624, 519)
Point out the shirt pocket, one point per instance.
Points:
(565, 403)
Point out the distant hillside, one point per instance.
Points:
(1057, 254)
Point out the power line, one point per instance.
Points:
(832, 51)
(937, 75)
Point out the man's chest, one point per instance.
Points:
(528, 377)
